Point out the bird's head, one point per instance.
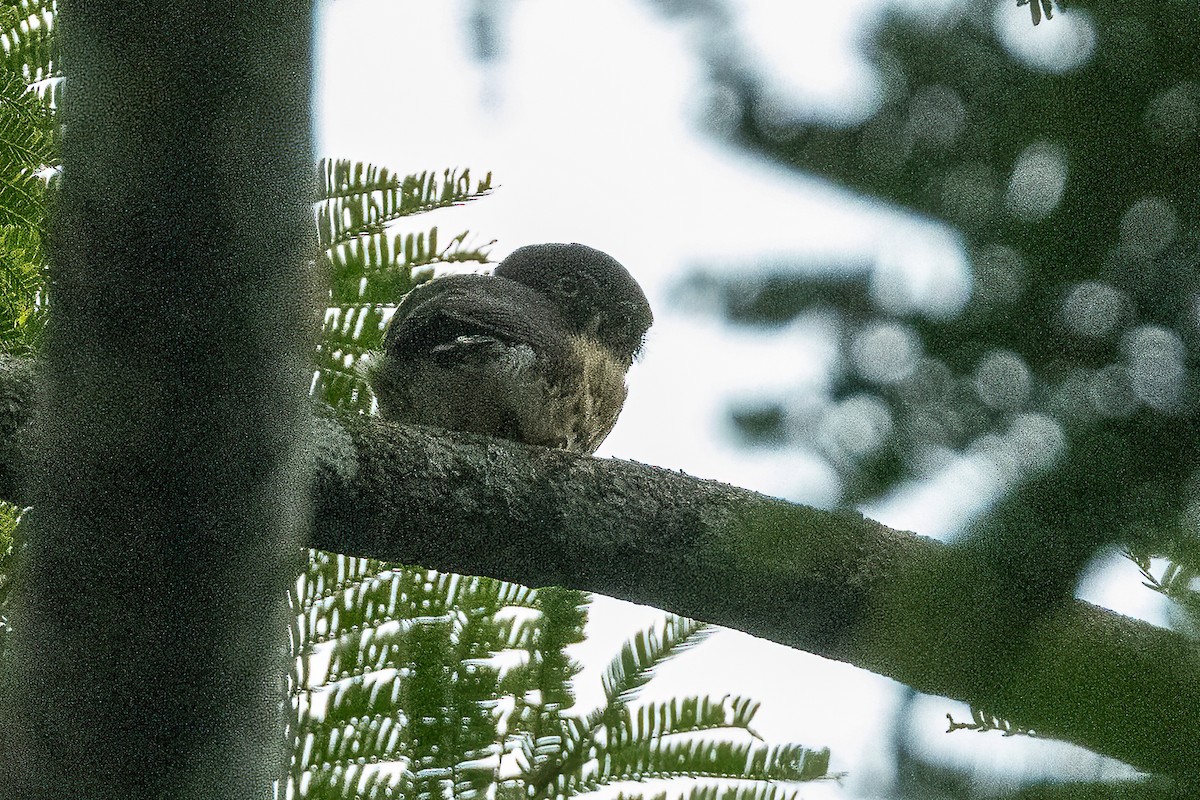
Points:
(594, 293)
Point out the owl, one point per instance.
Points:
(536, 352)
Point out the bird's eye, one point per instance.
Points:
(568, 285)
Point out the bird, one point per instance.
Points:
(536, 352)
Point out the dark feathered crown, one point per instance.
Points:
(593, 292)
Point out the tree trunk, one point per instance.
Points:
(169, 488)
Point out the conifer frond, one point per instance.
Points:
(27, 146)
(639, 657)
(427, 711)
(519, 633)
(375, 598)
(576, 754)
(379, 267)
(338, 381)
(1178, 580)
(738, 791)
(361, 199)
(329, 573)
(1039, 7)
(563, 619)
(365, 651)
(22, 266)
(339, 780)
(983, 721)
(27, 41)
(354, 328)
(368, 593)
(368, 733)
(514, 595)
(10, 517)
(415, 692)
(683, 715)
(24, 134)
(698, 759)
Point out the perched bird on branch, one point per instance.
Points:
(536, 352)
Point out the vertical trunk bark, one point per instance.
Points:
(169, 486)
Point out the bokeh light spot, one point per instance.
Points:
(1150, 225)
(1154, 358)
(1173, 116)
(1037, 440)
(1003, 380)
(885, 352)
(1095, 309)
(1037, 182)
(935, 116)
(857, 426)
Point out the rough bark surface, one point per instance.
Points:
(830, 583)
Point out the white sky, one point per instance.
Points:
(588, 122)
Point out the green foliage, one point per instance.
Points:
(413, 683)
(10, 516)
(22, 265)
(405, 676)
(28, 87)
(371, 266)
(27, 39)
(634, 667)
(28, 150)
(692, 738)
(1068, 176)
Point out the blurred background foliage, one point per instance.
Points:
(1074, 194)
(1071, 180)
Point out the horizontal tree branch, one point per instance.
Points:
(831, 583)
